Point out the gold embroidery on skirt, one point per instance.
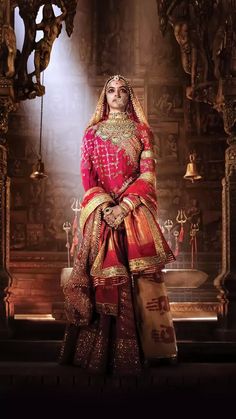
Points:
(126, 350)
(94, 342)
(107, 308)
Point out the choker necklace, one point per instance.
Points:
(118, 115)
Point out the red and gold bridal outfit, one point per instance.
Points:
(117, 166)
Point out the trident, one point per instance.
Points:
(168, 225)
(193, 241)
(67, 227)
(76, 208)
(181, 219)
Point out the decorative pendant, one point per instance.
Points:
(121, 131)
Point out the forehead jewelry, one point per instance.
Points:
(116, 79)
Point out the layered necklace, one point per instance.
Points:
(118, 127)
(121, 131)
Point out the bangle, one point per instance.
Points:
(125, 208)
(119, 220)
(129, 203)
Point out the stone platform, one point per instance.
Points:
(33, 385)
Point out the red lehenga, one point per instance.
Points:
(106, 329)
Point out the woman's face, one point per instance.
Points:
(117, 94)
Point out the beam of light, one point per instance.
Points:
(69, 99)
(69, 102)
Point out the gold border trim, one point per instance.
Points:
(149, 177)
(108, 272)
(94, 189)
(91, 206)
(195, 306)
(147, 154)
(143, 263)
(156, 235)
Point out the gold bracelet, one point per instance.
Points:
(129, 203)
(118, 220)
(125, 208)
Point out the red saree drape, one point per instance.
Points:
(112, 171)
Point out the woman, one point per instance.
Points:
(109, 294)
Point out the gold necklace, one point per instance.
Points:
(118, 127)
(121, 130)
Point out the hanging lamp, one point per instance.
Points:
(38, 168)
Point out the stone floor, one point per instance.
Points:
(48, 390)
(33, 385)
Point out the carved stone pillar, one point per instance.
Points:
(17, 84)
(6, 105)
(226, 281)
(205, 32)
(4, 250)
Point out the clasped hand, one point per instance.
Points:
(113, 216)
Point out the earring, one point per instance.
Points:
(128, 108)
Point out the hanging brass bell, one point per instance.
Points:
(191, 172)
(38, 171)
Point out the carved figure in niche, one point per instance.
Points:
(18, 236)
(51, 27)
(171, 146)
(50, 229)
(18, 200)
(35, 236)
(164, 103)
(17, 168)
(36, 193)
(36, 197)
(7, 44)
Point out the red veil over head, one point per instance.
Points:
(134, 107)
